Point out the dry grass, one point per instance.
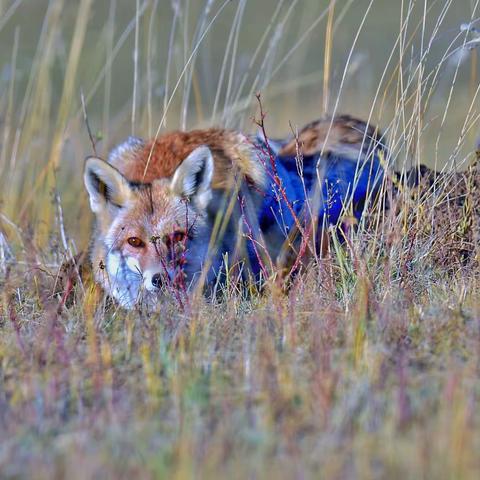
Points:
(368, 368)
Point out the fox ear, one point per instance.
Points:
(106, 186)
(193, 177)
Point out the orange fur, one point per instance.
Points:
(343, 134)
(231, 152)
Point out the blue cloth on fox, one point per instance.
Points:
(347, 185)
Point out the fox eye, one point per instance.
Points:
(136, 242)
(176, 237)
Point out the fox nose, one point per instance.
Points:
(157, 280)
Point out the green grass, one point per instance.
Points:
(368, 367)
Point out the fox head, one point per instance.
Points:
(149, 236)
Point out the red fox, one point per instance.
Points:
(171, 210)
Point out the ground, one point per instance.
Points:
(367, 368)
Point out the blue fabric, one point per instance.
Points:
(340, 177)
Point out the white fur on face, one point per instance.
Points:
(113, 265)
(133, 265)
(167, 274)
(125, 283)
(128, 284)
(147, 280)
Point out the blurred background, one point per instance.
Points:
(148, 66)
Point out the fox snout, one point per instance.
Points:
(155, 280)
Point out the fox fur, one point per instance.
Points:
(181, 208)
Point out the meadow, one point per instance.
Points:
(368, 367)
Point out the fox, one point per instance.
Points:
(179, 210)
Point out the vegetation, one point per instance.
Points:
(368, 367)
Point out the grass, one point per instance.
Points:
(368, 367)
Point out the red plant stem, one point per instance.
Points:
(251, 238)
(275, 177)
(13, 318)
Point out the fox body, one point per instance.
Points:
(171, 212)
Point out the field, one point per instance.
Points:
(368, 367)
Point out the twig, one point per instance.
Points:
(85, 118)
